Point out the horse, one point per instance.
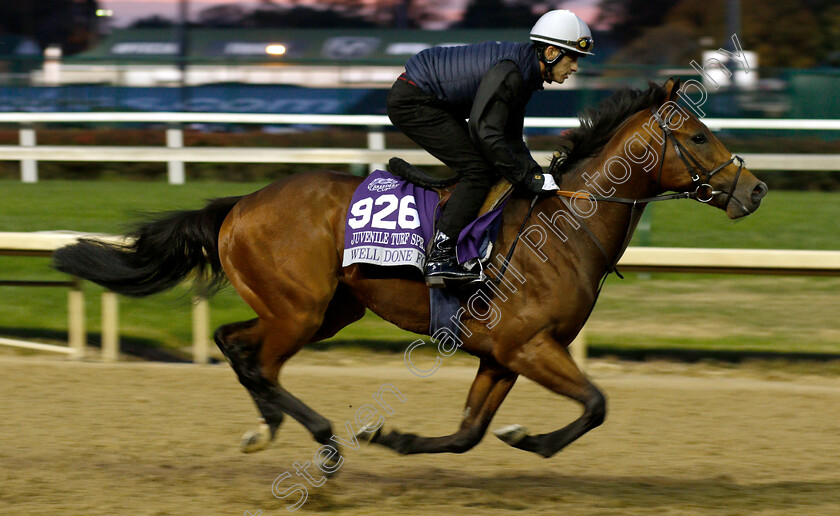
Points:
(281, 249)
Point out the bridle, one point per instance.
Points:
(695, 169)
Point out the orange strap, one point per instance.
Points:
(574, 195)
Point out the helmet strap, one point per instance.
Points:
(549, 64)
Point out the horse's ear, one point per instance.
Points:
(672, 86)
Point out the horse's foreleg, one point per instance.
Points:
(548, 363)
(492, 383)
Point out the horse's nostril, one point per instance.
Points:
(759, 192)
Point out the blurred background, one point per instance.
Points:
(340, 56)
(794, 44)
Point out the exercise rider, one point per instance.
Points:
(488, 84)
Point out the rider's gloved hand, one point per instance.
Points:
(537, 182)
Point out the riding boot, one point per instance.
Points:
(442, 264)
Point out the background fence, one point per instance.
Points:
(28, 152)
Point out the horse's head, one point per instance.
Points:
(696, 161)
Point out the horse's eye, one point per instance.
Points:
(699, 138)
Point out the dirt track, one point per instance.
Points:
(136, 438)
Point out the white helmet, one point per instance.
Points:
(562, 28)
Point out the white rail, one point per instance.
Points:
(29, 153)
(807, 162)
(641, 259)
(370, 120)
(735, 261)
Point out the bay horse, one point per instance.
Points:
(281, 249)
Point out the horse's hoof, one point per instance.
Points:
(256, 440)
(331, 465)
(367, 434)
(511, 434)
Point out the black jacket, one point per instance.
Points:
(489, 83)
(497, 118)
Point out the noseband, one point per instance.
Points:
(695, 169)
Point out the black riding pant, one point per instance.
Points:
(445, 136)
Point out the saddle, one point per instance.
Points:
(499, 192)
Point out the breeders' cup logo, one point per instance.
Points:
(383, 184)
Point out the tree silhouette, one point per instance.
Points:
(303, 18)
(68, 23)
(219, 16)
(629, 18)
(666, 45)
(154, 21)
(495, 14)
(785, 33)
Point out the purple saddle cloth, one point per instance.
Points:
(391, 222)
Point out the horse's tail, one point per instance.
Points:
(158, 255)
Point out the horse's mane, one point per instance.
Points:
(599, 124)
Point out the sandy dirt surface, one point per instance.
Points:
(90, 438)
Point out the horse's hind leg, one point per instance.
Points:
(343, 309)
(257, 351)
(492, 383)
(547, 362)
(241, 343)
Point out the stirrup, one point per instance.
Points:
(439, 282)
(435, 282)
(451, 275)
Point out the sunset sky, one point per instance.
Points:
(126, 11)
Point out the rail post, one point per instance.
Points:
(110, 327)
(376, 141)
(175, 169)
(28, 167)
(200, 330)
(577, 349)
(76, 320)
